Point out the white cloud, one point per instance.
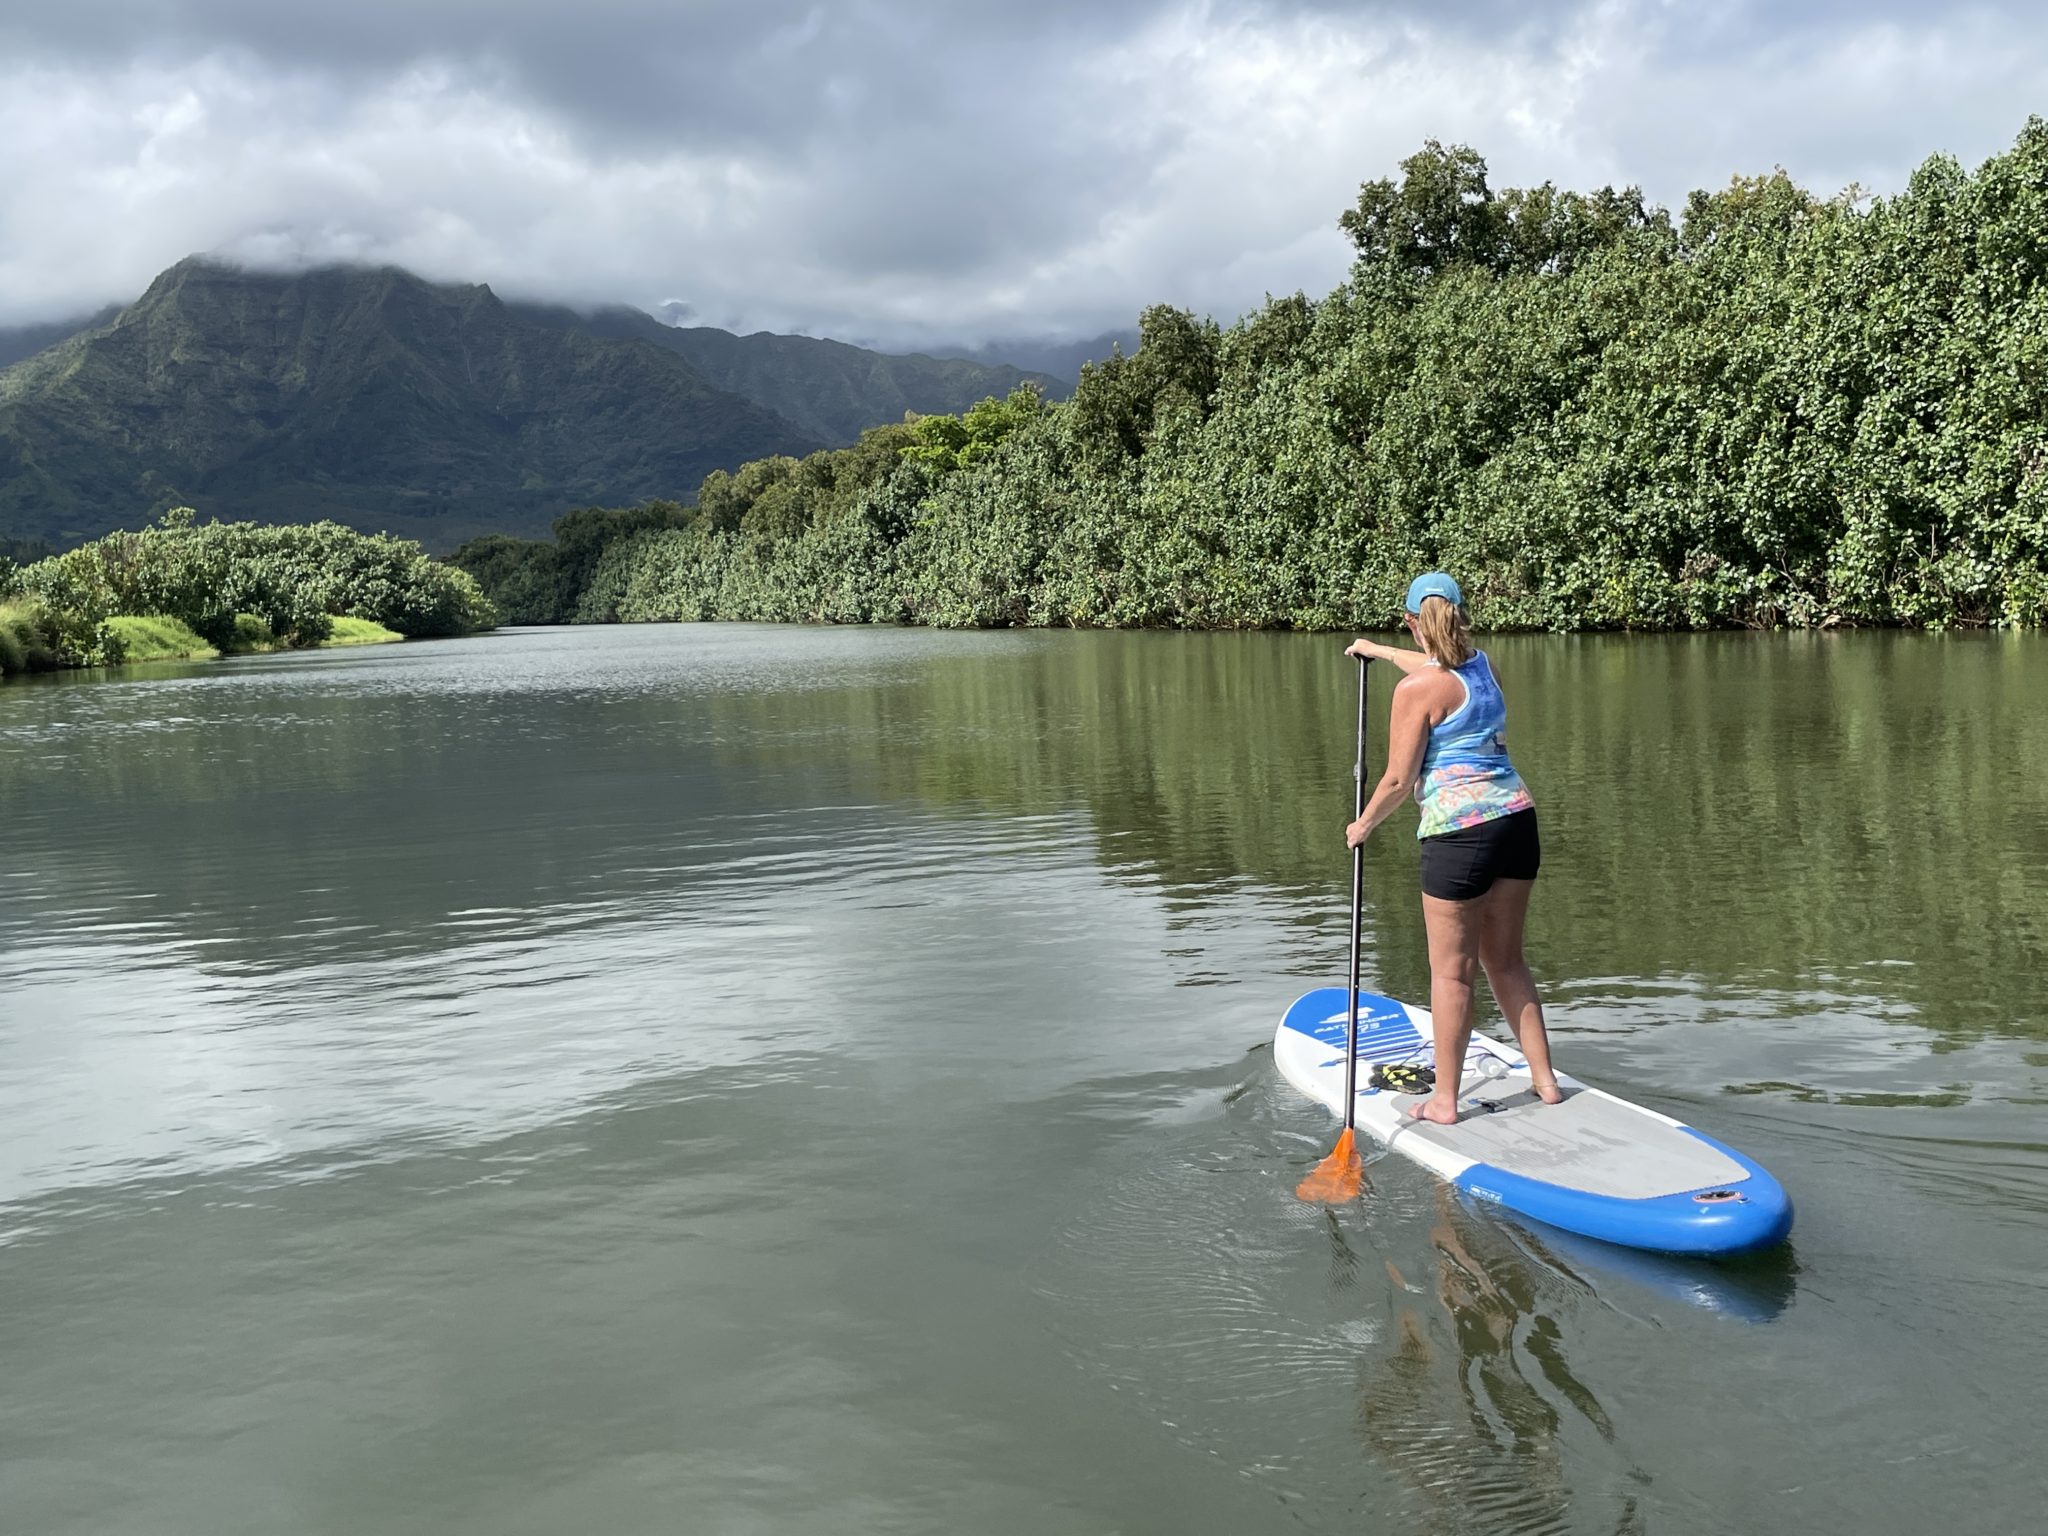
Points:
(1196, 154)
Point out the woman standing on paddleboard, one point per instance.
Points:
(1480, 852)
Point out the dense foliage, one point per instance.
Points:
(15, 552)
(538, 581)
(1768, 409)
(230, 583)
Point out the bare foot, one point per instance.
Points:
(1548, 1092)
(1434, 1111)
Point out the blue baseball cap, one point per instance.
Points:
(1435, 584)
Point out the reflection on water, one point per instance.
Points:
(1754, 1288)
(754, 1079)
(1472, 1405)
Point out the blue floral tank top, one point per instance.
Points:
(1466, 777)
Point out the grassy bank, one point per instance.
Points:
(351, 631)
(128, 639)
(153, 637)
(157, 637)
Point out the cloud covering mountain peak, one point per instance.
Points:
(909, 172)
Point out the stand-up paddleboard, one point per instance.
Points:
(1593, 1164)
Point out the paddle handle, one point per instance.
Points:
(1357, 910)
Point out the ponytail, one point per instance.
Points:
(1443, 631)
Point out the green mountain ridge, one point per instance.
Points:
(386, 402)
(18, 342)
(831, 389)
(367, 396)
(1057, 358)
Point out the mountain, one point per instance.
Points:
(369, 396)
(21, 341)
(1060, 360)
(386, 402)
(830, 389)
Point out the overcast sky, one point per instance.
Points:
(915, 170)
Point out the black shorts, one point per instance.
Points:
(1457, 866)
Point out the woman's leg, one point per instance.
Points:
(1503, 913)
(1453, 953)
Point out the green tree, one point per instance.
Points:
(1777, 409)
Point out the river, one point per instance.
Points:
(746, 1079)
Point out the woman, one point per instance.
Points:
(1479, 846)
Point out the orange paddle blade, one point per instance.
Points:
(1337, 1178)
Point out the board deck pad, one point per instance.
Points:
(1594, 1164)
(1590, 1142)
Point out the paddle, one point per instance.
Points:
(1341, 1176)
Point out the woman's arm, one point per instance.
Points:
(1407, 736)
(1398, 655)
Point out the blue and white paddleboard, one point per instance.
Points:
(1594, 1164)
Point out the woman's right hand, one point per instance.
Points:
(1367, 649)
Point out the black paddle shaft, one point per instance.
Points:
(1357, 910)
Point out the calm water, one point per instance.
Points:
(773, 1080)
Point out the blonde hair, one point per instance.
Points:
(1440, 625)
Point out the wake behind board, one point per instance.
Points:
(1594, 1164)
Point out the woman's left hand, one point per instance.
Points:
(1356, 832)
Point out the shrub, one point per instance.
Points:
(16, 638)
(33, 640)
(252, 633)
(154, 637)
(231, 582)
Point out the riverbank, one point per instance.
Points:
(139, 639)
(183, 592)
(157, 637)
(134, 639)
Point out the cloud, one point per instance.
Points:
(906, 172)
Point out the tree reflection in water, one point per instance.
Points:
(1477, 1408)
